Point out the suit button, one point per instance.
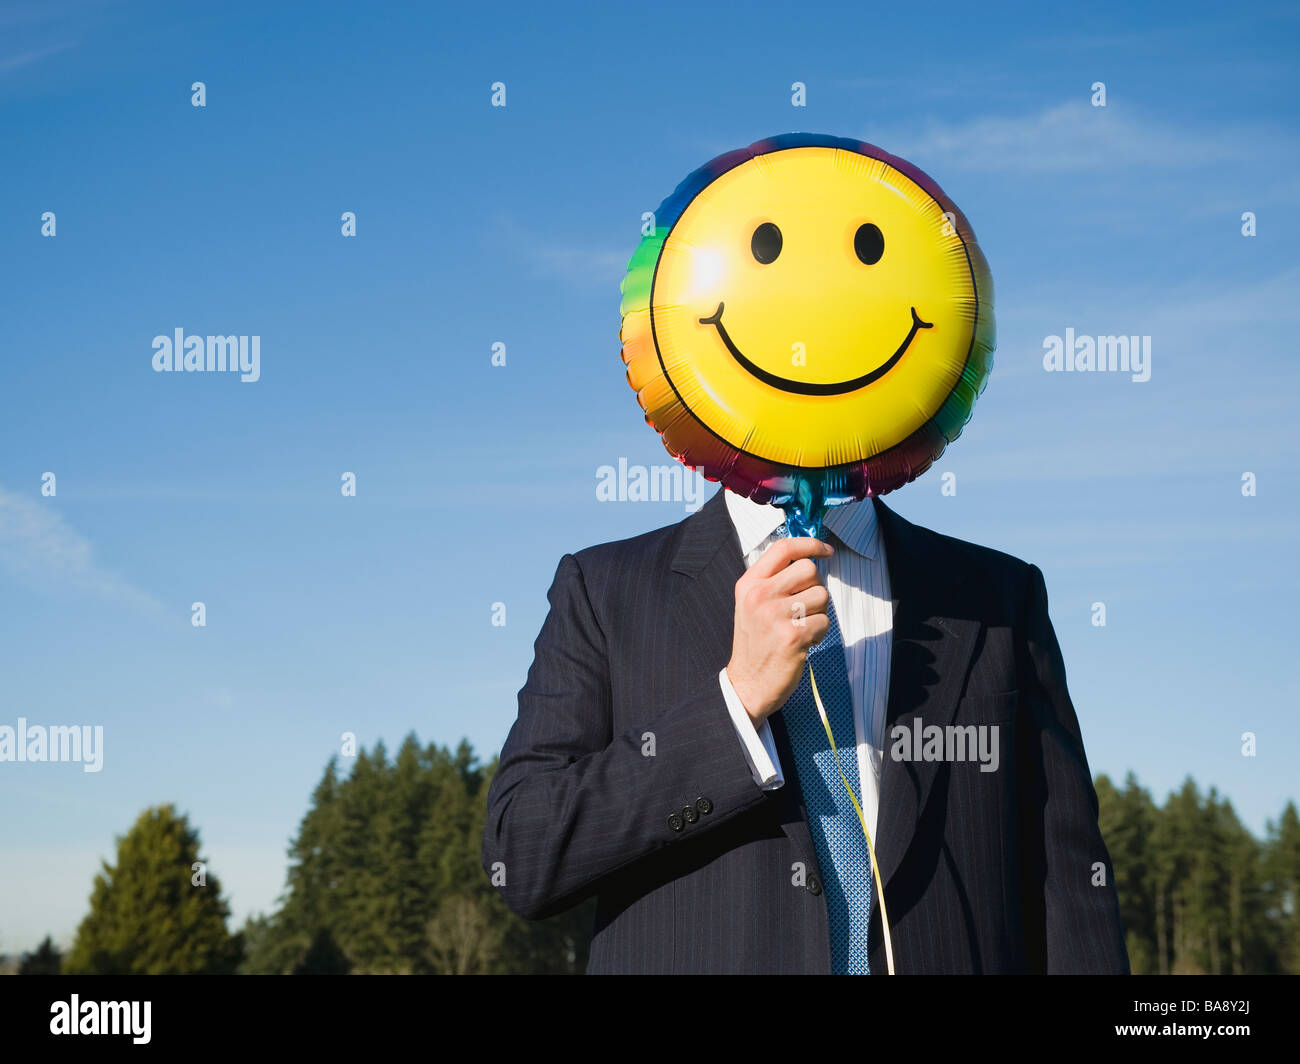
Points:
(675, 822)
(814, 884)
(704, 806)
(690, 814)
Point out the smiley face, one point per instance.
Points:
(814, 304)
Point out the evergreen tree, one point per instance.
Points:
(45, 959)
(323, 957)
(1198, 893)
(1209, 886)
(1251, 945)
(1127, 820)
(153, 913)
(408, 805)
(311, 901)
(385, 876)
(1281, 887)
(1174, 846)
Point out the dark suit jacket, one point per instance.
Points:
(622, 726)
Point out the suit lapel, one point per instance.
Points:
(708, 552)
(932, 648)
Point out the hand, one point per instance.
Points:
(780, 613)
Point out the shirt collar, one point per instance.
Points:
(854, 523)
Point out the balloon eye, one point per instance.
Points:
(766, 243)
(869, 243)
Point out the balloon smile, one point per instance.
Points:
(804, 387)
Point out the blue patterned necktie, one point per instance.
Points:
(837, 834)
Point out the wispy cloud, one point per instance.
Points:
(18, 60)
(577, 264)
(580, 265)
(32, 31)
(1075, 136)
(38, 546)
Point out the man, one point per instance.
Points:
(666, 756)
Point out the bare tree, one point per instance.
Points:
(462, 938)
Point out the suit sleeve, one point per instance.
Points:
(573, 801)
(1073, 923)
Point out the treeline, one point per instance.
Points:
(385, 877)
(1199, 894)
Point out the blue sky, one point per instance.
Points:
(476, 225)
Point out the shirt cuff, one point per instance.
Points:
(756, 741)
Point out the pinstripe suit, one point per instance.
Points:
(623, 733)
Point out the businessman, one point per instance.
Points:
(670, 759)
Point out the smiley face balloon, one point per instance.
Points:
(809, 321)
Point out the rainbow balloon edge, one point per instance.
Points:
(694, 444)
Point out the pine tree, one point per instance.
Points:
(281, 943)
(45, 959)
(1251, 945)
(362, 924)
(385, 876)
(154, 912)
(1127, 820)
(1281, 889)
(1174, 845)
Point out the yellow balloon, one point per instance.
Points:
(815, 306)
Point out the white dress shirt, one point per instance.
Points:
(858, 581)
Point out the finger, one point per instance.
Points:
(812, 631)
(797, 609)
(784, 551)
(797, 576)
(808, 602)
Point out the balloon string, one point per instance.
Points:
(875, 865)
